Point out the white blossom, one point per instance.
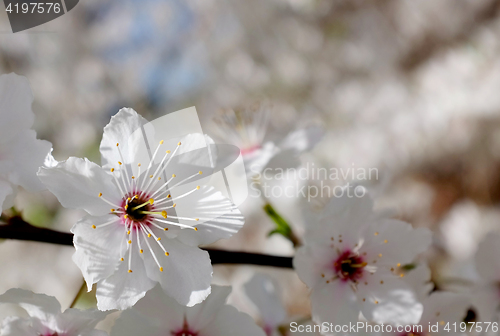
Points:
(351, 261)
(21, 153)
(45, 317)
(144, 222)
(157, 314)
(247, 129)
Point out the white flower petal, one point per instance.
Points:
(201, 315)
(15, 105)
(397, 241)
(133, 322)
(310, 262)
(38, 306)
(79, 322)
(263, 291)
(229, 321)
(445, 306)
(6, 194)
(388, 299)
(487, 260)
(27, 154)
(16, 326)
(122, 289)
(218, 217)
(77, 184)
(98, 250)
(122, 130)
(187, 271)
(335, 303)
(303, 139)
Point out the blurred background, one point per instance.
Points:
(411, 88)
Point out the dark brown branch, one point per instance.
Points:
(18, 229)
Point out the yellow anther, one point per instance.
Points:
(100, 194)
(164, 214)
(119, 163)
(141, 251)
(196, 229)
(130, 242)
(150, 176)
(126, 206)
(161, 142)
(112, 169)
(159, 238)
(149, 235)
(117, 144)
(196, 219)
(380, 255)
(167, 254)
(151, 201)
(125, 216)
(128, 232)
(121, 259)
(376, 302)
(133, 177)
(198, 187)
(130, 271)
(200, 172)
(174, 205)
(401, 275)
(129, 199)
(93, 226)
(168, 152)
(376, 233)
(161, 269)
(112, 210)
(159, 178)
(165, 229)
(399, 265)
(179, 143)
(173, 175)
(138, 165)
(385, 241)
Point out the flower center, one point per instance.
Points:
(349, 266)
(135, 211)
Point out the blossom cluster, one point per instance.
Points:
(162, 191)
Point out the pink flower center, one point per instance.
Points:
(185, 331)
(349, 266)
(250, 150)
(137, 207)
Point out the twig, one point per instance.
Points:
(17, 228)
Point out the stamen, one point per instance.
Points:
(170, 199)
(124, 168)
(149, 166)
(130, 256)
(148, 229)
(105, 224)
(186, 179)
(151, 201)
(150, 249)
(161, 188)
(109, 202)
(183, 226)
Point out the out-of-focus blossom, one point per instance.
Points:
(45, 317)
(263, 291)
(351, 259)
(486, 294)
(157, 314)
(131, 209)
(21, 153)
(247, 129)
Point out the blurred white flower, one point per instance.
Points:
(247, 129)
(350, 260)
(157, 314)
(21, 153)
(122, 249)
(486, 294)
(265, 294)
(45, 317)
(440, 308)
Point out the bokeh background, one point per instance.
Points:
(411, 88)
